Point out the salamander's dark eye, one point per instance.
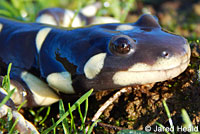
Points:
(121, 45)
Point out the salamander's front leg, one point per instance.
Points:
(29, 87)
(23, 126)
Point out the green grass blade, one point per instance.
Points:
(6, 79)
(11, 131)
(71, 121)
(3, 123)
(7, 97)
(81, 117)
(127, 8)
(47, 114)
(168, 114)
(74, 107)
(163, 127)
(21, 105)
(85, 116)
(9, 119)
(5, 13)
(16, 4)
(86, 110)
(65, 121)
(54, 129)
(188, 123)
(92, 126)
(7, 6)
(186, 118)
(40, 110)
(73, 126)
(32, 112)
(80, 4)
(9, 69)
(38, 117)
(115, 8)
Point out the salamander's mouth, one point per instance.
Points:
(143, 74)
(124, 78)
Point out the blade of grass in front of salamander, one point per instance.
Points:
(74, 107)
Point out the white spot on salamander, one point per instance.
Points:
(94, 65)
(42, 94)
(46, 19)
(1, 27)
(104, 20)
(68, 17)
(124, 27)
(61, 82)
(41, 35)
(89, 11)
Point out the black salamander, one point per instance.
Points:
(102, 57)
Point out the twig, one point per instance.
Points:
(110, 126)
(109, 102)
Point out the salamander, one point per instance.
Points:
(48, 60)
(64, 17)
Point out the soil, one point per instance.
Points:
(143, 105)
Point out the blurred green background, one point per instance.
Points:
(179, 16)
(27, 9)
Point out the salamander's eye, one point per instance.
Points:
(121, 45)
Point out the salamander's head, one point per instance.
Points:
(137, 53)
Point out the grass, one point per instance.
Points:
(186, 127)
(7, 124)
(69, 126)
(26, 10)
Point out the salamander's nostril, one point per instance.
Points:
(165, 54)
